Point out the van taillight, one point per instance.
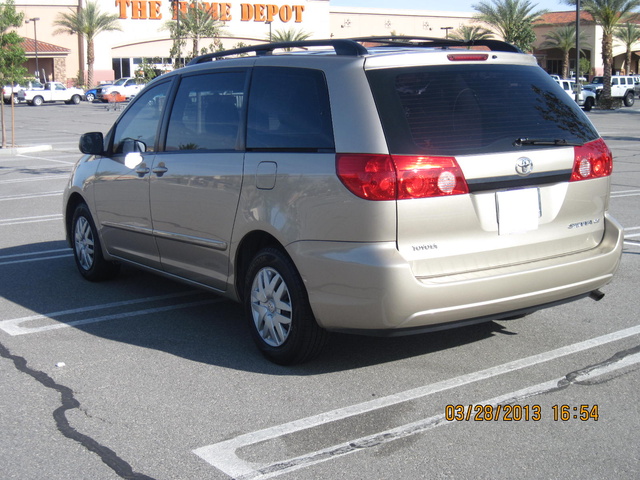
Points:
(400, 177)
(592, 160)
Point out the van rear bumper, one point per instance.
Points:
(369, 288)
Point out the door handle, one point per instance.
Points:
(160, 169)
(142, 170)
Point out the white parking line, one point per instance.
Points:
(35, 179)
(30, 254)
(21, 220)
(15, 326)
(429, 423)
(48, 159)
(223, 456)
(37, 259)
(31, 195)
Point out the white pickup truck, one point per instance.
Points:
(53, 92)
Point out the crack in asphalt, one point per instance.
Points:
(68, 402)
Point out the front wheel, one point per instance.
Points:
(588, 104)
(629, 100)
(277, 308)
(75, 100)
(87, 249)
(90, 97)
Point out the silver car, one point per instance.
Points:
(398, 188)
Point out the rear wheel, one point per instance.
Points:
(629, 100)
(277, 308)
(87, 249)
(37, 101)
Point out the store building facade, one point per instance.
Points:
(145, 35)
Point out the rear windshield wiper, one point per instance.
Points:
(560, 142)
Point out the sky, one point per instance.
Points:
(448, 5)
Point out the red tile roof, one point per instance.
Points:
(29, 45)
(562, 18)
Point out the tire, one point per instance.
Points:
(75, 99)
(588, 104)
(629, 99)
(87, 249)
(37, 101)
(90, 97)
(278, 311)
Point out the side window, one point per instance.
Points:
(140, 122)
(614, 81)
(289, 109)
(206, 112)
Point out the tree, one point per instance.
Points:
(12, 57)
(627, 35)
(564, 39)
(291, 35)
(196, 23)
(607, 14)
(512, 19)
(88, 23)
(469, 33)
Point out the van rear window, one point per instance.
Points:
(473, 109)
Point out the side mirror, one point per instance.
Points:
(92, 143)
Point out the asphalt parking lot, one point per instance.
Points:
(144, 378)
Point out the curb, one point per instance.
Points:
(19, 150)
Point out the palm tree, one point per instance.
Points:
(627, 34)
(88, 23)
(198, 23)
(291, 35)
(469, 33)
(564, 39)
(607, 14)
(512, 19)
(195, 23)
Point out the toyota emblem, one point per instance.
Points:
(524, 166)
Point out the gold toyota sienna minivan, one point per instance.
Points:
(381, 186)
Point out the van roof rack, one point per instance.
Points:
(354, 47)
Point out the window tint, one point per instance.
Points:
(206, 112)
(140, 122)
(467, 109)
(289, 109)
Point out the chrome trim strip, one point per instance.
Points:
(202, 242)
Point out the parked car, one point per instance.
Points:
(91, 94)
(11, 92)
(622, 86)
(126, 87)
(385, 190)
(586, 98)
(52, 92)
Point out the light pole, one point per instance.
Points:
(35, 38)
(446, 31)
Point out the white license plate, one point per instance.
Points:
(518, 210)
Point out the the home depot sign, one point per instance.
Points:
(257, 12)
